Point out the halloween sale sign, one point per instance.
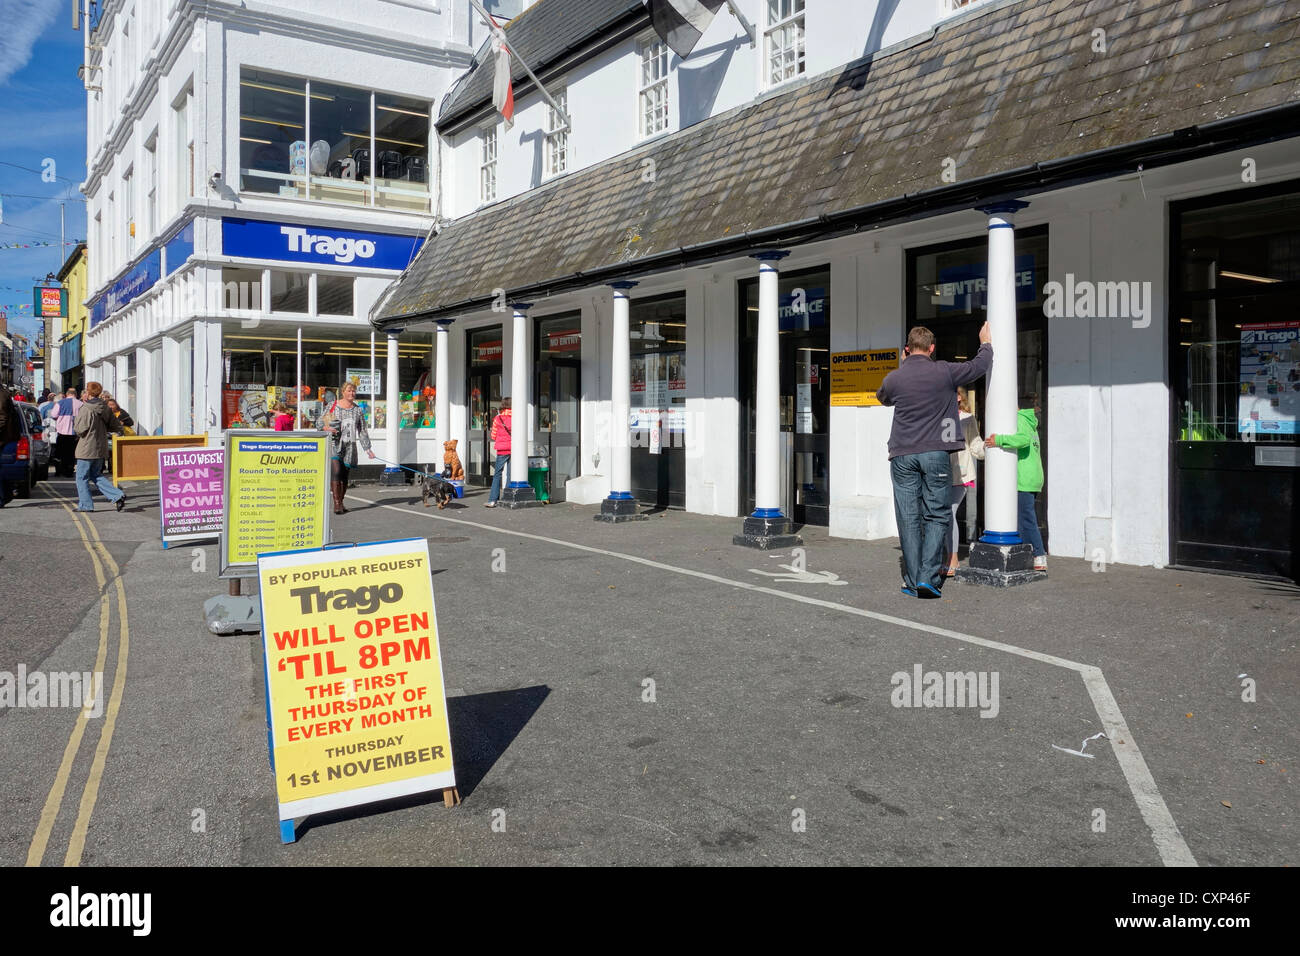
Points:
(356, 707)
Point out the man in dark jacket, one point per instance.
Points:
(923, 393)
(93, 423)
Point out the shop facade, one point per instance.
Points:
(255, 184)
(1113, 326)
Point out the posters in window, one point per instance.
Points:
(1269, 400)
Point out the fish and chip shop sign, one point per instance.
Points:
(317, 245)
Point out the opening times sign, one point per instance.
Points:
(276, 496)
(356, 705)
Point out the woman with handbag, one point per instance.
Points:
(345, 423)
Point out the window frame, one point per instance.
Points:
(488, 164)
(649, 49)
(557, 136)
(771, 28)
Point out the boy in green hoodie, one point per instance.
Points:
(1029, 474)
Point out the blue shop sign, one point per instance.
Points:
(802, 309)
(70, 353)
(965, 288)
(132, 285)
(285, 242)
(179, 248)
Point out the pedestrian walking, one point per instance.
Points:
(501, 442)
(923, 394)
(345, 422)
(64, 426)
(93, 423)
(123, 418)
(1029, 473)
(963, 469)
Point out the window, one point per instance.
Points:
(183, 140)
(128, 213)
(151, 172)
(783, 40)
(242, 289)
(653, 101)
(323, 141)
(557, 136)
(956, 6)
(487, 175)
(333, 294)
(289, 291)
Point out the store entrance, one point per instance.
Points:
(558, 397)
(949, 295)
(1235, 381)
(484, 402)
(804, 444)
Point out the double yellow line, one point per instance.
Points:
(103, 563)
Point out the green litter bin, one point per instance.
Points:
(538, 474)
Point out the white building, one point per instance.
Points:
(257, 170)
(1154, 148)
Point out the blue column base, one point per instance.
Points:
(392, 476)
(1001, 537)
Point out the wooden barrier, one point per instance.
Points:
(135, 457)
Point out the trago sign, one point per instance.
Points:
(288, 242)
(356, 707)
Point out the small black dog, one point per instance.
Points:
(436, 487)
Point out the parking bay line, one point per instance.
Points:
(1169, 842)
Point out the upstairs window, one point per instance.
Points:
(557, 136)
(487, 174)
(783, 41)
(653, 97)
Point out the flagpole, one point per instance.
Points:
(500, 35)
(745, 24)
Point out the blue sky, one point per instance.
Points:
(42, 116)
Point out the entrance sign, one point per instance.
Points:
(356, 706)
(190, 493)
(857, 376)
(1269, 403)
(276, 496)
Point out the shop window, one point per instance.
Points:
(657, 348)
(241, 289)
(311, 139)
(1237, 357)
(289, 291)
(334, 294)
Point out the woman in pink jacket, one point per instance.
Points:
(501, 442)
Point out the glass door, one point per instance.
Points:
(1235, 378)
(483, 377)
(558, 396)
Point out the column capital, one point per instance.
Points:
(770, 255)
(1004, 207)
(393, 333)
(443, 323)
(623, 285)
(521, 306)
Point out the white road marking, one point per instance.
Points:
(1168, 840)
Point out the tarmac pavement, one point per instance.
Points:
(769, 733)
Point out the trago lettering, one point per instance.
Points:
(364, 599)
(342, 248)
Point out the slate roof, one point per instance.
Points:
(1016, 86)
(540, 35)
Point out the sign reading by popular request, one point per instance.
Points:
(276, 496)
(357, 709)
(856, 376)
(190, 486)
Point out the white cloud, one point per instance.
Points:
(24, 21)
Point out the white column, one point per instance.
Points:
(442, 382)
(620, 379)
(392, 434)
(767, 392)
(1001, 526)
(171, 388)
(297, 383)
(519, 396)
(208, 379)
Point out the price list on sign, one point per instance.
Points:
(276, 496)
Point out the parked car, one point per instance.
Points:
(27, 460)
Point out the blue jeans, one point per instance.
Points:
(503, 464)
(89, 478)
(922, 485)
(1029, 532)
